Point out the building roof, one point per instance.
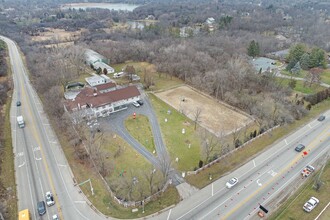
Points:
(263, 63)
(94, 79)
(91, 56)
(105, 86)
(93, 98)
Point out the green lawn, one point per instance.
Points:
(140, 129)
(292, 209)
(300, 87)
(123, 167)
(325, 76)
(177, 143)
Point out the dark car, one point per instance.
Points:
(300, 147)
(41, 208)
(321, 118)
(18, 103)
(140, 102)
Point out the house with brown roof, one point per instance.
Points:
(92, 103)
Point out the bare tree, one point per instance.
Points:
(210, 144)
(165, 165)
(197, 114)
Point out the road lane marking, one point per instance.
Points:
(81, 202)
(254, 163)
(298, 173)
(259, 184)
(286, 143)
(296, 159)
(21, 164)
(168, 217)
(310, 125)
(272, 173)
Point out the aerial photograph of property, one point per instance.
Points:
(165, 109)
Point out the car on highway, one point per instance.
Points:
(311, 204)
(300, 147)
(18, 103)
(55, 217)
(49, 199)
(41, 208)
(321, 118)
(136, 104)
(307, 171)
(232, 182)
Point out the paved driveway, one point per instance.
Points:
(116, 121)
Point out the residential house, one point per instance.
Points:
(95, 80)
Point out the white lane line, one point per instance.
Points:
(285, 142)
(168, 217)
(212, 189)
(61, 165)
(310, 125)
(288, 182)
(81, 202)
(21, 164)
(317, 217)
(254, 163)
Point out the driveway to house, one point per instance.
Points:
(116, 120)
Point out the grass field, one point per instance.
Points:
(140, 129)
(125, 166)
(300, 87)
(292, 209)
(177, 143)
(325, 76)
(7, 174)
(234, 160)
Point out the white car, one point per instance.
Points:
(232, 182)
(49, 199)
(55, 217)
(136, 104)
(311, 204)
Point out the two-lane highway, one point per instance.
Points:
(40, 164)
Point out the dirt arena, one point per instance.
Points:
(214, 116)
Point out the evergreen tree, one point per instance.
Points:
(253, 49)
(296, 53)
(304, 61)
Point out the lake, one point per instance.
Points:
(110, 6)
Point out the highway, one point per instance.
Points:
(40, 164)
(260, 180)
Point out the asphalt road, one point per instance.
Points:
(260, 180)
(40, 164)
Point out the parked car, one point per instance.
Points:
(41, 208)
(140, 102)
(232, 182)
(300, 147)
(311, 204)
(321, 118)
(49, 199)
(136, 104)
(18, 103)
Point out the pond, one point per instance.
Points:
(110, 6)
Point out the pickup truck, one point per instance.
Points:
(307, 171)
(20, 121)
